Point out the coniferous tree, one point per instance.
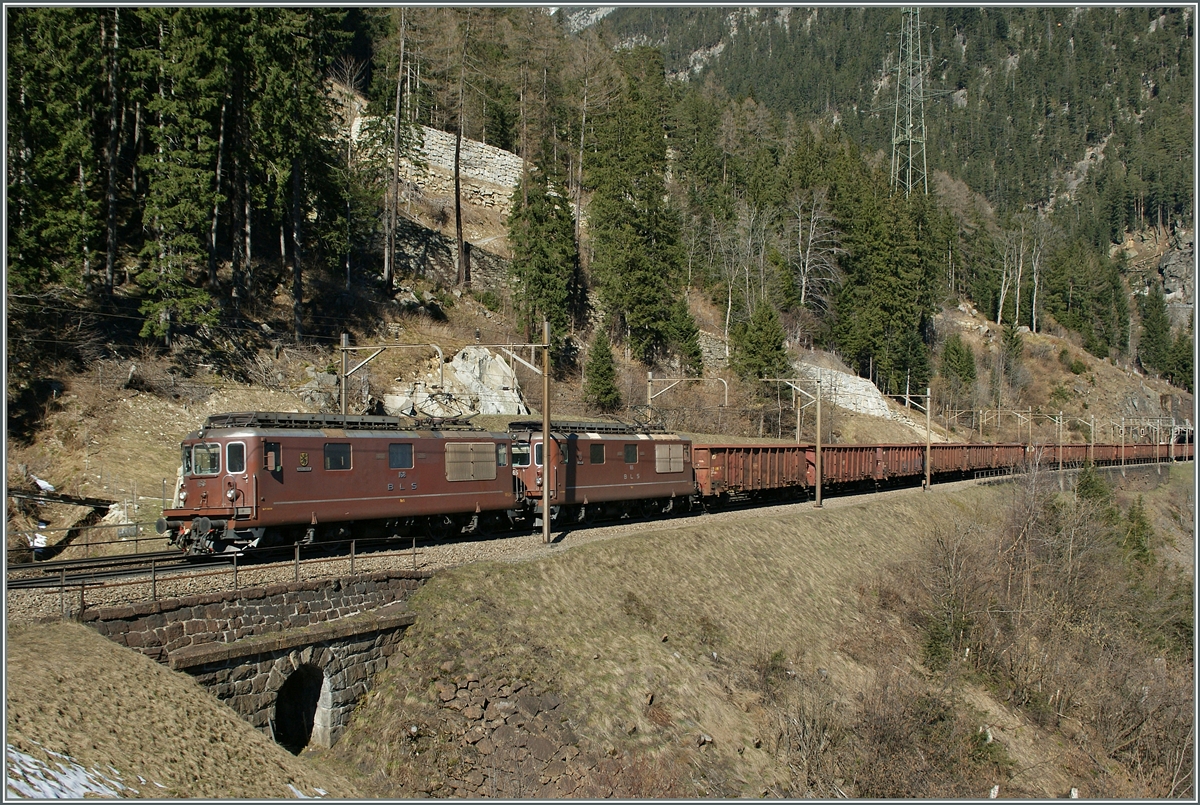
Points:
(1182, 360)
(634, 233)
(189, 65)
(600, 376)
(541, 233)
(958, 362)
(1154, 349)
(683, 337)
(758, 349)
(54, 73)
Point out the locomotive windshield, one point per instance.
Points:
(206, 459)
(520, 454)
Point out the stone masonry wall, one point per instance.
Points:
(430, 255)
(488, 174)
(156, 628)
(251, 685)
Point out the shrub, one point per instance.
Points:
(1074, 365)
(489, 300)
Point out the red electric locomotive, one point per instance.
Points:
(601, 470)
(258, 479)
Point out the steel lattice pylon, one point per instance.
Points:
(908, 128)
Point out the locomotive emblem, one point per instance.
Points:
(304, 459)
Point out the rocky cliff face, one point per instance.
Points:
(1156, 257)
(1177, 272)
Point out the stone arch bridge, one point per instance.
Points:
(292, 659)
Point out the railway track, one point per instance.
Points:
(98, 571)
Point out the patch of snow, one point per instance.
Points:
(27, 776)
(301, 795)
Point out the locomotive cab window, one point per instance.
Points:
(631, 452)
(235, 457)
(597, 453)
(400, 456)
(206, 459)
(537, 454)
(337, 456)
(501, 455)
(187, 461)
(520, 454)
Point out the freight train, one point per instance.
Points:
(260, 479)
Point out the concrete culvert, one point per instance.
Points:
(302, 710)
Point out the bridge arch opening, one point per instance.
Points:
(302, 710)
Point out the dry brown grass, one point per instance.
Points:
(592, 621)
(69, 690)
(1071, 626)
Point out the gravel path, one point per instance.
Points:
(30, 605)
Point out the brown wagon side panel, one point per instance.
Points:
(740, 468)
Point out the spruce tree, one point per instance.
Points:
(683, 337)
(55, 69)
(758, 349)
(1154, 350)
(958, 362)
(189, 65)
(600, 376)
(541, 233)
(1182, 361)
(634, 233)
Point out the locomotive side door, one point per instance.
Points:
(554, 475)
(236, 480)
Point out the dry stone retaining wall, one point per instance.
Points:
(431, 255)
(515, 740)
(478, 162)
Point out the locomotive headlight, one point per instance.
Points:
(183, 496)
(539, 480)
(231, 494)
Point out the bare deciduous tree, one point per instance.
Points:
(818, 244)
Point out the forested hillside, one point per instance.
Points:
(1016, 94)
(179, 168)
